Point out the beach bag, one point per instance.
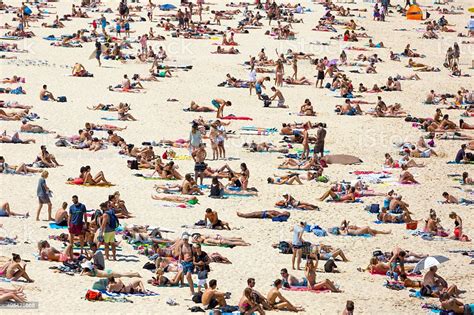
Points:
(329, 266)
(93, 295)
(62, 143)
(27, 11)
(149, 266)
(426, 290)
(319, 232)
(196, 309)
(197, 298)
(133, 164)
(200, 223)
(334, 230)
(280, 218)
(113, 220)
(284, 247)
(229, 309)
(374, 208)
(62, 99)
(100, 285)
(266, 100)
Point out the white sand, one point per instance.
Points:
(362, 136)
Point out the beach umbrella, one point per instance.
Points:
(167, 7)
(429, 262)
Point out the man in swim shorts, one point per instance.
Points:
(77, 221)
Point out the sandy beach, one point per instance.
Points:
(363, 136)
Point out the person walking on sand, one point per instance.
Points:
(297, 245)
(44, 193)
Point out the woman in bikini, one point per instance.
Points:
(310, 274)
(354, 230)
(117, 286)
(290, 202)
(406, 177)
(87, 178)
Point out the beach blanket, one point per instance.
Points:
(306, 289)
(358, 200)
(343, 159)
(112, 294)
(232, 117)
(53, 225)
(88, 185)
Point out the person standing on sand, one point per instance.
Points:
(297, 243)
(76, 223)
(185, 259)
(43, 194)
(320, 137)
(320, 67)
(98, 52)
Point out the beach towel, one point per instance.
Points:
(232, 117)
(53, 225)
(109, 118)
(343, 159)
(88, 185)
(306, 289)
(358, 200)
(112, 294)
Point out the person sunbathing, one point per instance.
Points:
(278, 302)
(218, 240)
(266, 214)
(13, 116)
(91, 126)
(89, 270)
(348, 197)
(194, 107)
(386, 217)
(433, 225)
(15, 138)
(285, 179)
(307, 109)
(264, 147)
(177, 199)
(300, 81)
(87, 177)
(12, 295)
(21, 169)
(104, 107)
(354, 230)
(406, 177)
(46, 252)
(79, 71)
(123, 113)
(15, 269)
(161, 280)
(293, 164)
(310, 273)
(117, 286)
(223, 51)
(32, 128)
(290, 202)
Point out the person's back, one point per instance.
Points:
(207, 296)
(98, 259)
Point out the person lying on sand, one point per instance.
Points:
(105, 107)
(14, 115)
(264, 147)
(266, 214)
(194, 107)
(15, 138)
(21, 169)
(32, 128)
(292, 164)
(223, 51)
(89, 270)
(218, 240)
(177, 199)
(290, 202)
(285, 179)
(348, 197)
(117, 286)
(161, 280)
(386, 217)
(354, 230)
(46, 252)
(12, 295)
